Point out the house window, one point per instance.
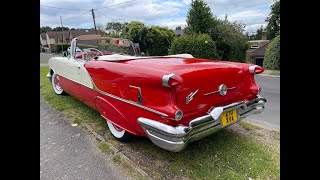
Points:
(254, 47)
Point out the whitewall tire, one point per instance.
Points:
(56, 86)
(119, 133)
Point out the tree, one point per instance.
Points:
(117, 27)
(199, 17)
(273, 27)
(44, 29)
(158, 40)
(153, 40)
(178, 28)
(100, 27)
(199, 45)
(259, 33)
(272, 57)
(229, 36)
(230, 39)
(60, 28)
(136, 31)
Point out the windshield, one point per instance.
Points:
(106, 47)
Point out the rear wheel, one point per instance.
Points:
(119, 133)
(56, 85)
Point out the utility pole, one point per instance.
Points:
(94, 21)
(63, 38)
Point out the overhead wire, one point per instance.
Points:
(63, 8)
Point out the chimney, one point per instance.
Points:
(264, 35)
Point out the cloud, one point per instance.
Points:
(169, 13)
(172, 23)
(251, 29)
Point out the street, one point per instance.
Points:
(67, 152)
(270, 118)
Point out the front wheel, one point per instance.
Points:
(119, 133)
(56, 85)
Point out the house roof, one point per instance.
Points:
(259, 52)
(258, 41)
(43, 35)
(79, 32)
(56, 34)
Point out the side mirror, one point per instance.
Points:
(65, 53)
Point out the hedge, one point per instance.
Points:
(272, 57)
(198, 45)
(58, 47)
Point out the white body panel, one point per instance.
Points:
(71, 69)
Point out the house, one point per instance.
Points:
(51, 38)
(178, 32)
(257, 49)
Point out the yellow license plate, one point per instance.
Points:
(229, 117)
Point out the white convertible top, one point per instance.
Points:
(119, 57)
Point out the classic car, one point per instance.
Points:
(173, 100)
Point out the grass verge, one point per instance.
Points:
(104, 147)
(228, 154)
(249, 126)
(43, 61)
(275, 72)
(117, 159)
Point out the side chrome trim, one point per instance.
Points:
(190, 96)
(217, 91)
(119, 98)
(166, 78)
(139, 93)
(133, 103)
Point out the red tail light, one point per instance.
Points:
(255, 69)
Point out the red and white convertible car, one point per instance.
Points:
(173, 100)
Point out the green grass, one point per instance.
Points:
(43, 61)
(249, 126)
(224, 155)
(275, 72)
(104, 147)
(117, 159)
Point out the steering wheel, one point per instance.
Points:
(94, 49)
(88, 56)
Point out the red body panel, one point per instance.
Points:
(117, 78)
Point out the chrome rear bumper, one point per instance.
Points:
(177, 138)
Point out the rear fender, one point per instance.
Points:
(110, 113)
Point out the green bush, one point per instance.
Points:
(198, 45)
(153, 41)
(158, 40)
(58, 47)
(272, 57)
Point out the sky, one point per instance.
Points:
(170, 13)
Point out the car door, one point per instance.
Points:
(72, 82)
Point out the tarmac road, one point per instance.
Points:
(67, 152)
(270, 89)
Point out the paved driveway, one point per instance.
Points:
(67, 152)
